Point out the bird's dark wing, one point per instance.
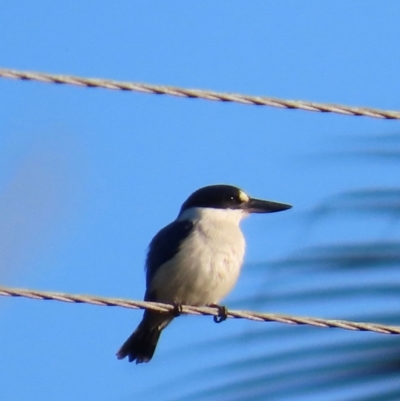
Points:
(165, 245)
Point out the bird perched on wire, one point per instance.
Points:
(195, 260)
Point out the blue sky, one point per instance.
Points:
(87, 176)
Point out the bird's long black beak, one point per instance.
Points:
(264, 206)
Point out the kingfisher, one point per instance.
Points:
(195, 260)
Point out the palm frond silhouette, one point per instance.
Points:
(356, 279)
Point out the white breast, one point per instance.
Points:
(208, 265)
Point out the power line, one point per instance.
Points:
(199, 93)
(194, 310)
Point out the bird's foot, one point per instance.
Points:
(177, 309)
(222, 313)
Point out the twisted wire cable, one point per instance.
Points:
(199, 93)
(195, 310)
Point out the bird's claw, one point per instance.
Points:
(222, 313)
(177, 309)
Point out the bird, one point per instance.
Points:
(195, 260)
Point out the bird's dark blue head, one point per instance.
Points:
(230, 197)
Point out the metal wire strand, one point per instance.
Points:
(194, 310)
(198, 93)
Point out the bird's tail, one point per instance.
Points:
(140, 346)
